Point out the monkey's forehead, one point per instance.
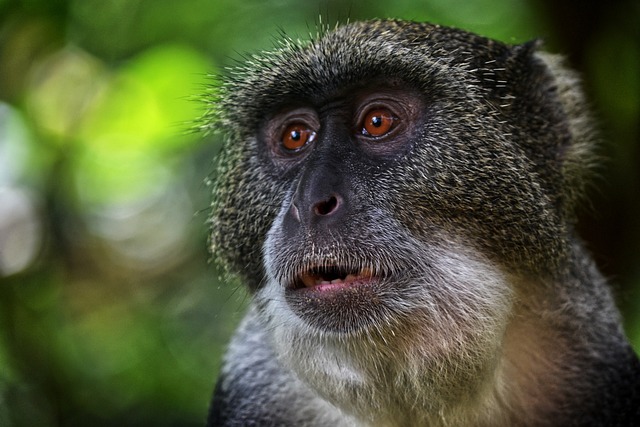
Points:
(349, 55)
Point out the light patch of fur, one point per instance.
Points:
(532, 372)
(251, 347)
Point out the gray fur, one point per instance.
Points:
(488, 310)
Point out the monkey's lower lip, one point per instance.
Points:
(332, 278)
(339, 299)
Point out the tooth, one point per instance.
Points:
(350, 278)
(366, 272)
(309, 281)
(333, 282)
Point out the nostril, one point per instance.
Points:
(326, 207)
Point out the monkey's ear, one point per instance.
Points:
(545, 103)
(577, 151)
(502, 68)
(527, 49)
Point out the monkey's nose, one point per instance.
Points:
(322, 208)
(321, 198)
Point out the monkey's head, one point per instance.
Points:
(383, 188)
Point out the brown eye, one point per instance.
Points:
(377, 122)
(295, 136)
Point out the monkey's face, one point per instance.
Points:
(353, 250)
(335, 248)
(374, 197)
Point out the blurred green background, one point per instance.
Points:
(111, 311)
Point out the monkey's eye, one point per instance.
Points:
(377, 122)
(296, 136)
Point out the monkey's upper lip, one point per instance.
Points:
(331, 277)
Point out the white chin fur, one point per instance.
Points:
(431, 364)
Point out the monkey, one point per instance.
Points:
(399, 199)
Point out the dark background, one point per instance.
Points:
(111, 313)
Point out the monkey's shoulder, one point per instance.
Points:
(613, 391)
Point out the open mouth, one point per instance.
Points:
(340, 298)
(331, 277)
